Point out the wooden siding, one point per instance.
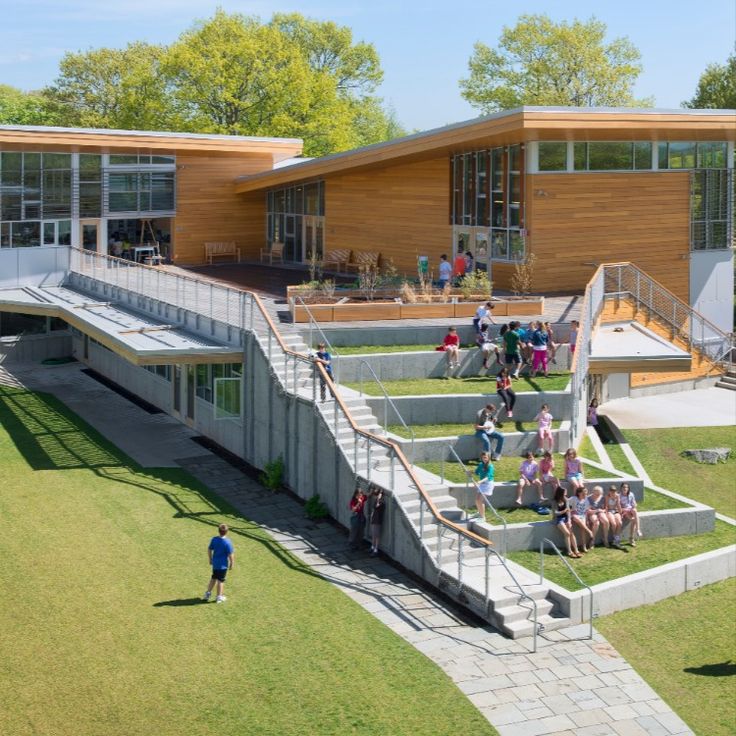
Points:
(399, 211)
(574, 220)
(208, 209)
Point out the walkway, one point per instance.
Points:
(568, 688)
(703, 407)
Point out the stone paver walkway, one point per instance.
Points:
(570, 687)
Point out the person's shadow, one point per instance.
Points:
(180, 602)
(720, 669)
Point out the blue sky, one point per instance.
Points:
(424, 46)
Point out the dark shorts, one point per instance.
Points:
(560, 520)
(512, 358)
(219, 575)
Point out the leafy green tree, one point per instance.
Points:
(540, 62)
(716, 87)
(23, 108)
(112, 88)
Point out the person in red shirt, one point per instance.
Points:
(357, 518)
(451, 343)
(458, 267)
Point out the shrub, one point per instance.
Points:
(523, 277)
(272, 476)
(476, 285)
(408, 294)
(315, 509)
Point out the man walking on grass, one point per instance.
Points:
(221, 554)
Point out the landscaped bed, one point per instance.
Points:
(425, 431)
(104, 631)
(481, 385)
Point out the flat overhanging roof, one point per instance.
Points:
(629, 347)
(139, 339)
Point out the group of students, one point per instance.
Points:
(487, 424)
(367, 507)
(453, 273)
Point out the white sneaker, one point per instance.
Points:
(220, 599)
(207, 595)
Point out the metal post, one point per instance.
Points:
(421, 517)
(212, 301)
(442, 469)
(488, 574)
(270, 341)
(294, 376)
(368, 469)
(355, 452)
(541, 563)
(392, 456)
(314, 387)
(336, 417)
(460, 541)
(439, 546)
(385, 413)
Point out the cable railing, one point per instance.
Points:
(314, 327)
(245, 310)
(571, 569)
(387, 402)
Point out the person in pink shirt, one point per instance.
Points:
(544, 429)
(574, 470)
(547, 471)
(528, 471)
(451, 343)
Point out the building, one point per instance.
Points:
(575, 187)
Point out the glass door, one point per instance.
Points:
(482, 262)
(89, 233)
(313, 238)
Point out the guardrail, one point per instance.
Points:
(314, 326)
(570, 568)
(241, 309)
(387, 401)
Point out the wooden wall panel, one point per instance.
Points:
(208, 209)
(574, 219)
(399, 211)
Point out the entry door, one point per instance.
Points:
(184, 388)
(191, 386)
(482, 260)
(89, 235)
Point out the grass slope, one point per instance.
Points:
(481, 385)
(424, 431)
(102, 563)
(659, 452)
(685, 648)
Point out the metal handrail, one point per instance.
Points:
(570, 568)
(387, 400)
(487, 501)
(313, 323)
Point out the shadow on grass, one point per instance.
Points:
(179, 602)
(721, 669)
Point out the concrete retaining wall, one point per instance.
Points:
(432, 364)
(461, 408)
(648, 586)
(654, 524)
(674, 386)
(468, 447)
(34, 349)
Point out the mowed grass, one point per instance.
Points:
(374, 349)
(101, 629)
(425, 431)
(685, 648)
(659, 452)
(480, 385)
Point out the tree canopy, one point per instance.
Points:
(233, 74)
(540, 62)
(23, 108)
(716, 87)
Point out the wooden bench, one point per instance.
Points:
(364, 259)
(215, 250)
(336, 259)
(275, 251)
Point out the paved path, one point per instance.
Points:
(703, 407)
(570, 687)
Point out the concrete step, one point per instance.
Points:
(525, 627)
(524, 611)
(727, 381)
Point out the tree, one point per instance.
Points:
(23, 108)
(716, 87)
(112, 88)
(539, 62)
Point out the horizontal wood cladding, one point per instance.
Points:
(575, 220)
(399, 211)
(208, 209)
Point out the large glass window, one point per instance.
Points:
(207, 374)
(90, 185)
(712, 209)
(289, 212)
(552, 156)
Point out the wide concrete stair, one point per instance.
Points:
(727, 380)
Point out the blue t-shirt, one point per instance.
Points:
(221, 548)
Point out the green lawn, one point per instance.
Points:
(470, 385)
(659, 452)
(105, 632)
(685, 648)
(372, 349)
(603, 564)
(424, 431)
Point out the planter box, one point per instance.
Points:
(367, 311)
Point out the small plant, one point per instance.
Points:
(390, 276)
(315, 509)
(327, 287)
(408, 294)
(426, 289)
(446, 294)
(522, 279)
(369, 279)
(272, 476)
(315, 266)
(476, 285)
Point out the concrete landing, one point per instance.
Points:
(705, 407)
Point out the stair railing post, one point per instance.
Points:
(368, 469)
(442, 469)
(460, 559)
(421, 517)
(314, 387)
(334, 396)
(488, 575)
(439, 546)
(355, 452)
(541, 563)
(270, 344)
(392, 457)
(293, 378)
(385, 413)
